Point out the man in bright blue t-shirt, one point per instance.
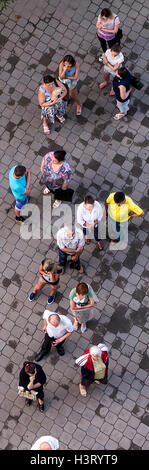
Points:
(19, 182)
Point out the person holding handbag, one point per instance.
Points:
(56, 175)
(94, 367)
(108, 30)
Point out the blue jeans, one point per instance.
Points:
(87, 232)
(63, 260)
(123, 107)
(118, 231)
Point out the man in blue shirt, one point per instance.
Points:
(122, 88)
(19, 182)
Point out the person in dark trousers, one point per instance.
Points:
(94, 367)
(57, 329)
(32, 377)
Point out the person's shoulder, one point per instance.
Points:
(46, 313)
(72, 293)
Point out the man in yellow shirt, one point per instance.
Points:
(119, 209)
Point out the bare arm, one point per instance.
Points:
(123, 93)
(76, 76)
(28, 181)
(42, 102)
(59, 340)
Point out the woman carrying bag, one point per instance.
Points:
(94, 367)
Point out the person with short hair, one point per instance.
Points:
(122, 89)
(81, 302)
(46, 443)
(50, 99)
(69, 71)
(120, 208)
(20, 185)
(32, 377)
(94, 367)
(107, 29)
(112, 61)
(57, 328)
(89, 215)
(50, 274)
(70, 242)
(56, 174)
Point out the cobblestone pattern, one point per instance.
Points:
(105, 155)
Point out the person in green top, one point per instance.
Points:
(81, 301)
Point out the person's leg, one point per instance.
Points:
(40, 284)
(75, 97)
(60, 348)
(123, 108)
(62, 258)
(100, 246)
(45, 348)
(105, 82)
(40, 398)
(87, 241)
(102, 43)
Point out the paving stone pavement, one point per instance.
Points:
(105, 156)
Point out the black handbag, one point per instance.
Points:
(136, 82)
(119, 35)
(64, 194)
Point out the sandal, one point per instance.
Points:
(100, 247)
(83, 329)
(46, 130)
(61, 119)
(101, 85)
(41, 407)
(79, 110)
(111, 93)
(75, 326)
(87, 241)
(56, 204)
(46, 191)
(119, 116)
(83, 391)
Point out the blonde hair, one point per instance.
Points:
(50, 266)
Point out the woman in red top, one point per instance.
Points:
(94, 364)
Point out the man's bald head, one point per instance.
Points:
(54, 320)
(45, 446)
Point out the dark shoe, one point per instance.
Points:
(20, 219)
(51, 299)
(28, 402)
(31, 297)
(104, 381)
(41, 407)
(39, 356)
(60, 350)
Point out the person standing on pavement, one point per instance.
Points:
(122, 89)
(70, 242)
(69, 71)
(112, 61)
(57, 328)
(89, 215)
(81, 303)
(107, 30)
(56, 175)
(20, 185)
(32, 377)
(50, 274)
(94, 367)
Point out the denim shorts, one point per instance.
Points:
(20, 203)
(123, 107)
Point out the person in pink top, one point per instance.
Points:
(108, 30)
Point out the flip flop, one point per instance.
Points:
(56, 204)
(79, 111)
(100, 247)
(46, 191)
(111, 93)
(83, 392)
(119, 116)
(46, 130)
(87, 242)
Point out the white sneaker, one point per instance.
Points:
(56, 203)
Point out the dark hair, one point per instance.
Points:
(123, 72)
(19, 170)
(48, 79)
(106, 12)
(119, 197)
(70, 59)
(29, 367)
(60, 155)
(116, 48)
(89, 199)
(82, 289)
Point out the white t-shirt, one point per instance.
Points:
(83, 215)
(54, 444)
(76, 241)
(65, 325)
(113, 61)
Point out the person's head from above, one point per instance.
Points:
(122, 72)
(29, 368)
(89, 203)
(106, 14)
(81, 290)
(19, 171)
(119, 198)
(115, 50)
(48, 80)
(50, 266)
(95, 353)
(54, 320)
(58, 157)
(45, 446)
(69, 230)
(69, 61)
